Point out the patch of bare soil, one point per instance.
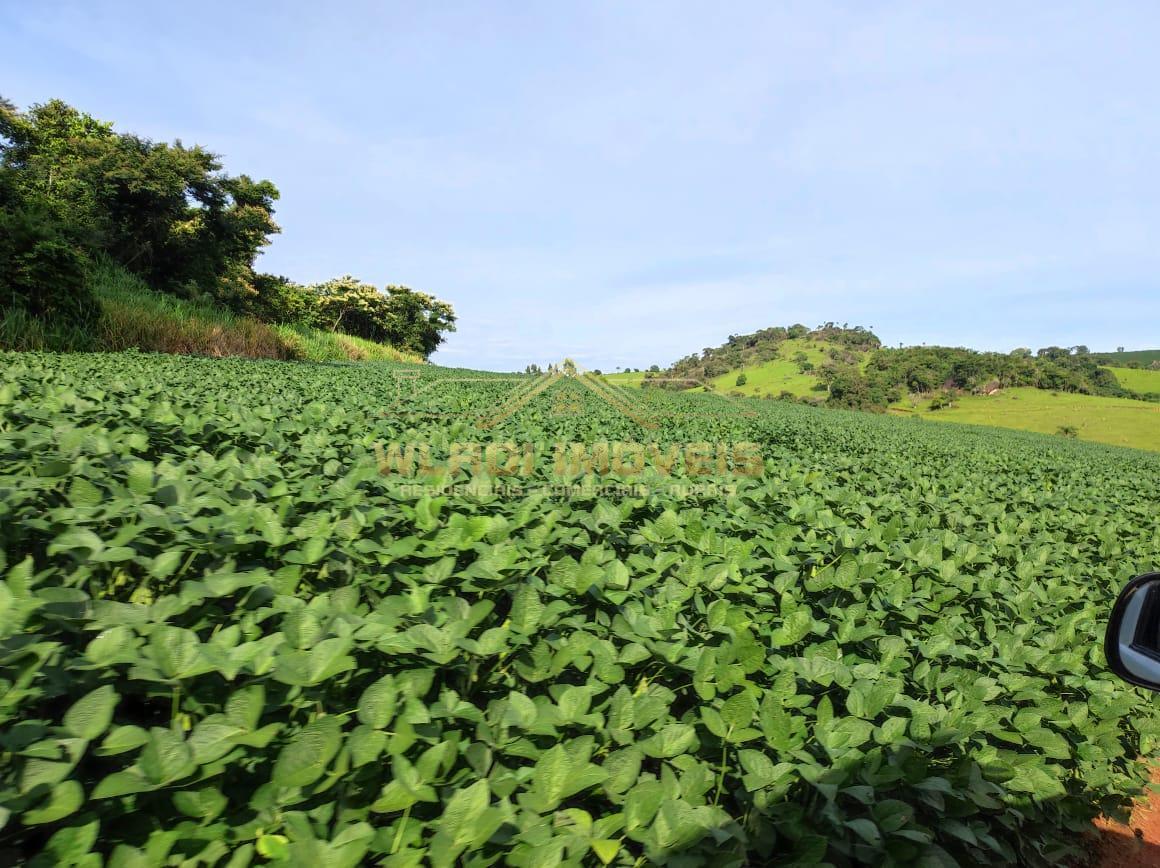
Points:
(1136, 845)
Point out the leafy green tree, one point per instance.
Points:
(401, 317)
(41, 272)
(417, 321)
(279, 299)
(42, 268)
(346, 304)
(167, 212)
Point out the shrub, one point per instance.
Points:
(941, 400)
(741, 380)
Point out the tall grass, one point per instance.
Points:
(134, 316)
(316, 345)
(23, 332)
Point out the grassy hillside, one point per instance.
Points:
(1117, 421)
(779, 374)
(630, 379)
(1140, 380)
(133, 316)
(770, 377)
(1140, 357)
(1047, 391)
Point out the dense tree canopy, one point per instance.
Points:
(400, 316)
(167, 212)
(72, 188)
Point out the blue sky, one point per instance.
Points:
(624, 183)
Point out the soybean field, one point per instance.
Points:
(248, 618)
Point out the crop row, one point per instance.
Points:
(227, 638)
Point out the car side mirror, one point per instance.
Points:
(1132, 643)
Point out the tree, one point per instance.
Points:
(74, 190)
(741, 380)
(404, 318)
(346, 304)
(417, 321)
(279, 299)
(167, 212)
(42, 268)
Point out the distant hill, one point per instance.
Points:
(848, 346)
(1065, 390)
(1129, 359)
(847, 366)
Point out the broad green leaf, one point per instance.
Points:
(795, 628)
(550, 776)
(605, 849)
(166, 757)
(65, 799)
(70, 843)
(201, 804)
(462, 811)
(376, 707)
(305, 757)
(527, 609)
(122, 739)
(670, 740)
(90, 715)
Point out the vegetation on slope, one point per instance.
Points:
(794, 373)
(626, 378)
(1142, 381)
(74, 193)
(134, 317)
(766, 345)
(1130, 358)
(1118, 421)
(850, 368)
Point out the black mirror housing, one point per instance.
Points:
(1132, 642)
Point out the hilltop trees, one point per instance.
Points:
(856, 371)
(765, 344)
(926, 369)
